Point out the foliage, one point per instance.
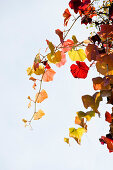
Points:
(98, 52)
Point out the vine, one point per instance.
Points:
(99, 53)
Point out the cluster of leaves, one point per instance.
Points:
(98, 51)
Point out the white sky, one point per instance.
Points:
(25, 25)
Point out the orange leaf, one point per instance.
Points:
(34, 85)
(38, 115)
(32, 78)
(42, 96)
(48, 75)
(66, 16)
(80, 122)
(67, 46)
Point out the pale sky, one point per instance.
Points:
(25, 25)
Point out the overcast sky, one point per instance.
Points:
(25, 25)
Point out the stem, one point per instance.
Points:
(37, 98)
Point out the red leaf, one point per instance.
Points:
(108, 141)
(60, 34)
(108, 117)
(66, 16)
(80, 70)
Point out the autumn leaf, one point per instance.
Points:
(109, 142)
(67, 45)
(29, 71)
(88, 115)
(80, 121)
(39, 70)
(108, 117)
(51, 46)
(38, 115)
(41, 96)
(32, 78)
(104, 69)
(80, 70)
(34, 86)
(92, 101)
(77, 55)
(66, 16)
(24, 120)
(91, 52)
(106, 31)
(56, 58)
(60, 34)
(100, 83)
(29, 105)
(77, 133)
(66, 140)
(74, 39)
(63, 60)
(106, 58)
(48, 75)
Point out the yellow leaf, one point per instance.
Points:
(77, 133)
(78, 55)
(38, 115)
(42, 96)
(29, 71)
(39, 70)
(55, 58)
(66, 140)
